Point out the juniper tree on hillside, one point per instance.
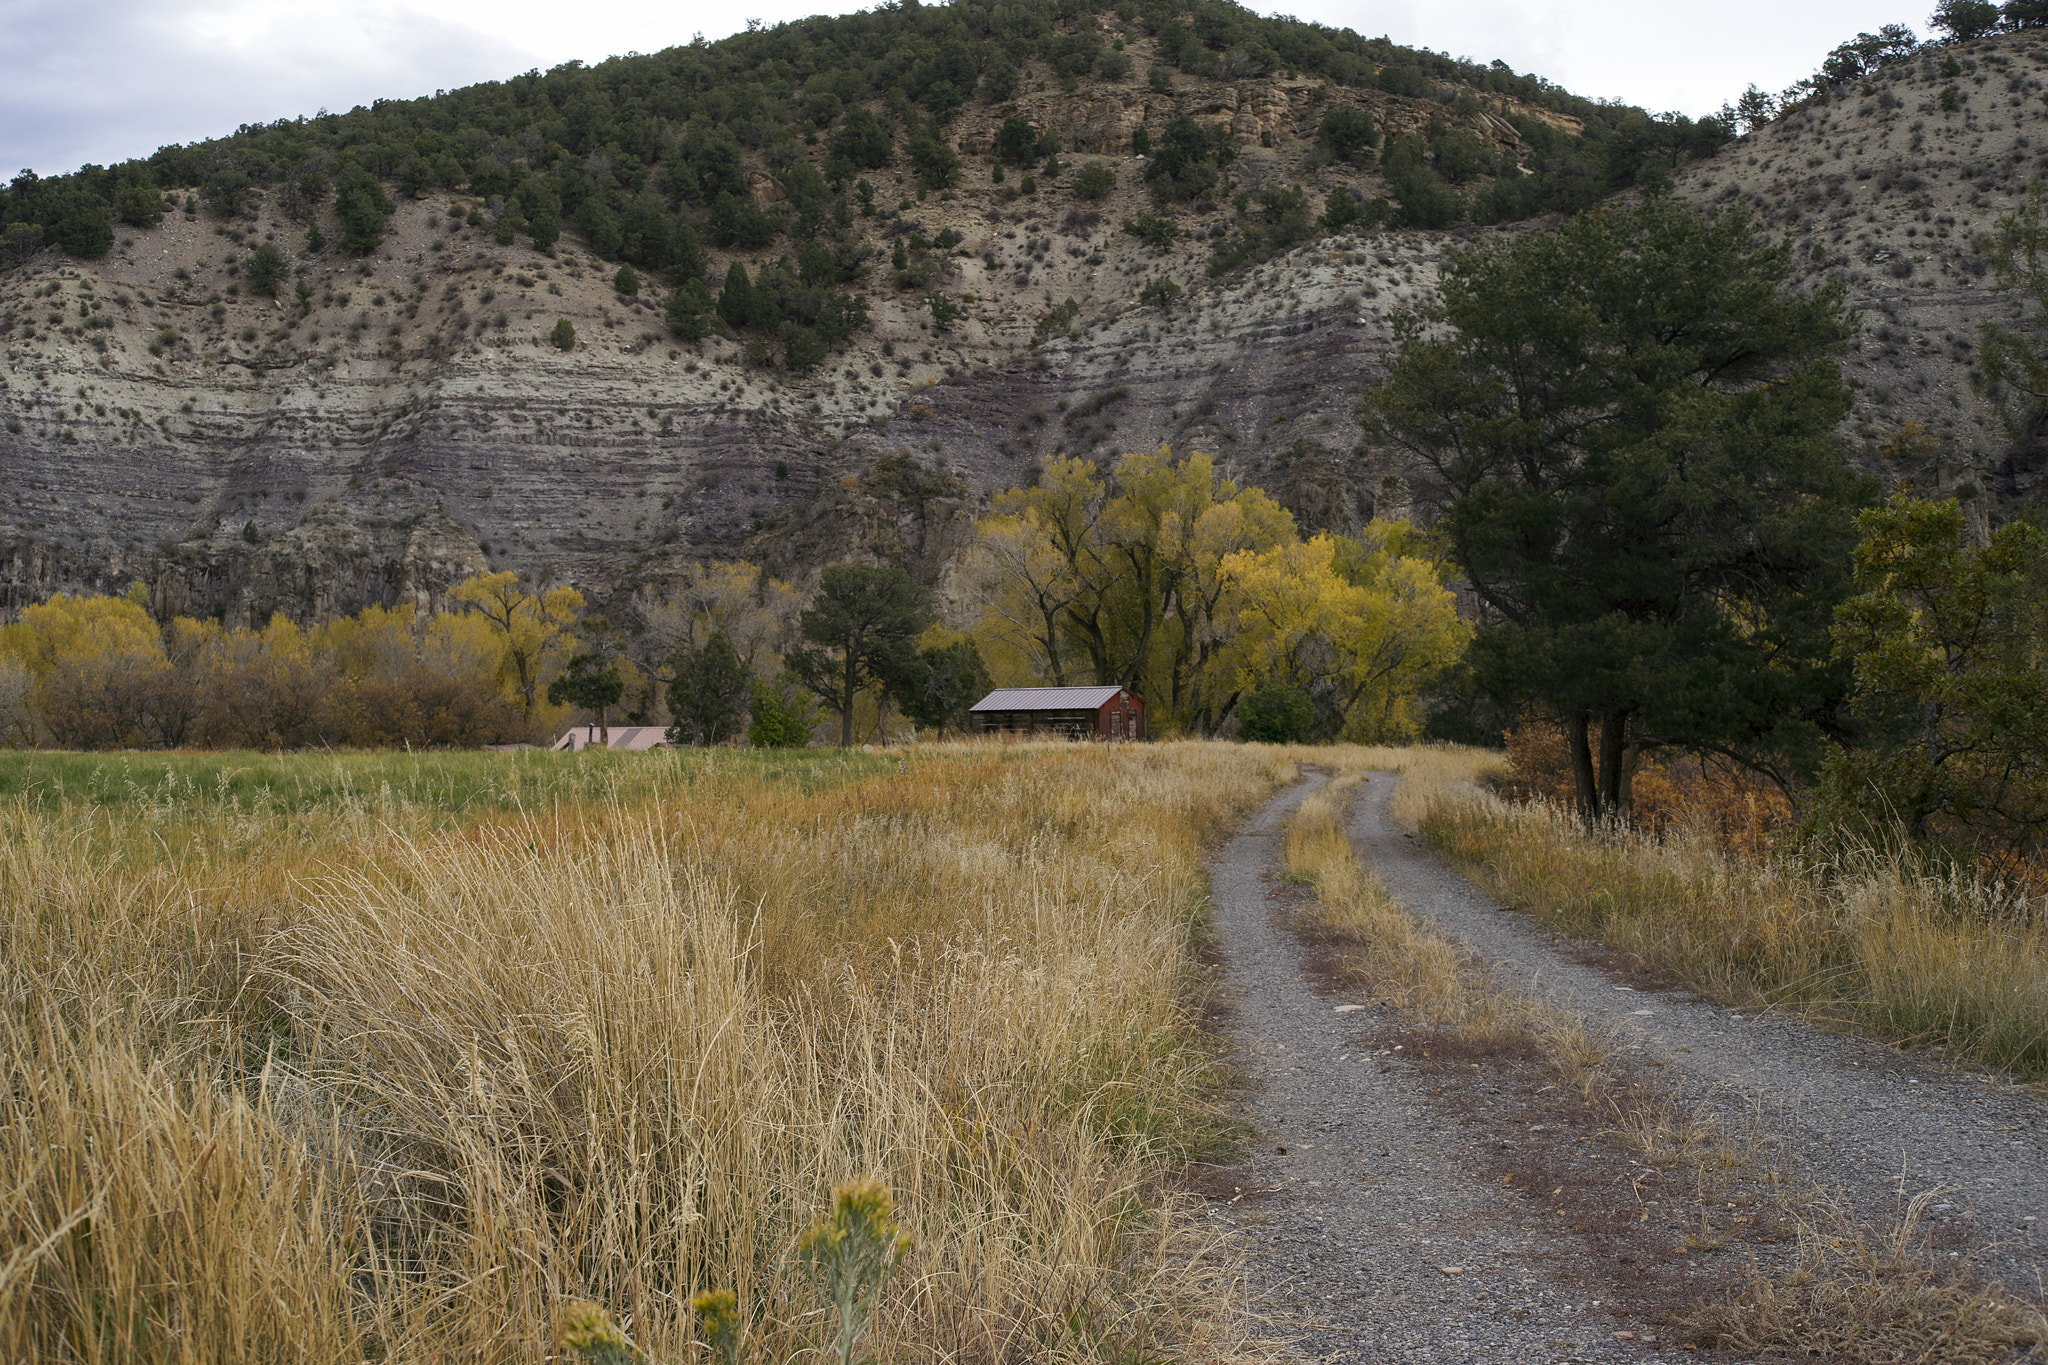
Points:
(708, 698)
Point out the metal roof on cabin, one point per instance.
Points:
(631, 738)
(639, 737)
(1045, 699)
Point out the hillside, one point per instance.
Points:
(394, 420)
(1890, 189)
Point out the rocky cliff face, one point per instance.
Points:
(415, 426)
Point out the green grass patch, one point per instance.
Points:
(453, 783)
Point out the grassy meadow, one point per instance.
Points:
(390, 1057)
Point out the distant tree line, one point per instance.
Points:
(866, 637)
(1851, 65)
(100, 673)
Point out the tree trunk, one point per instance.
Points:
(1613, 750)
(604, 731)
(846, 691)
(1631, 759)
(1585, 784)
(1093, 642)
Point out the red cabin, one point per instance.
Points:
(1075, 712)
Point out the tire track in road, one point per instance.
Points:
(1375, 1226)
(1372, 1235)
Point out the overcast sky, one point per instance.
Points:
(105, 80)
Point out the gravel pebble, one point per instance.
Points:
(1370, 1238)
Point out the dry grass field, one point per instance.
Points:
(320, 1059)
(392, 1057)
(1867, 940)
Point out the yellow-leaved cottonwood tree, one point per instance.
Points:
(534, 629)
(99, 672)
(85, 664)
(1353, 623)
(1164, 577)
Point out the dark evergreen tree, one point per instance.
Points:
(1348, 134)
(265, 270)
(1963, 21)
(594, 684)
(708, 698)
(141, 206)
(1275, 713)
(599, 227)
(936, 686)
(1017, 143)
(736, 300)
(1627, 428)
(859, 630)
(937, 165)
(362, 210)
(1183, 165)
(688, 310)
(863, 141)
(542, 209)
(79, 222)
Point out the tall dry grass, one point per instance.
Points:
(1869, 940)
(358, 1080)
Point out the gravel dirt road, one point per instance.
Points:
(1387, 1200)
